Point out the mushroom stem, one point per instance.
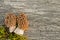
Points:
(11, 29)
(19, 31)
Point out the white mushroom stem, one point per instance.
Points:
(19, 31)
(11, 29)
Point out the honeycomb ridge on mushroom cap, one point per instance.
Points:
(10, 20)
(22, 21)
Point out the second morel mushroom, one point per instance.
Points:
(10, 21)
(22, 24)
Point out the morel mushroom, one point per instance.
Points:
(10, 21)
(22, 24)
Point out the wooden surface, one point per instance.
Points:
(43, 16)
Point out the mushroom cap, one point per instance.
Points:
(10, 20)
(22, 21)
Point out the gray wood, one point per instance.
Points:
(43, 16)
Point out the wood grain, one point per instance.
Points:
(43, 16)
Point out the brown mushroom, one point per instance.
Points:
(22, 24)
(10, 21)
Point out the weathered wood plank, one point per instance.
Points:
(44, 17)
